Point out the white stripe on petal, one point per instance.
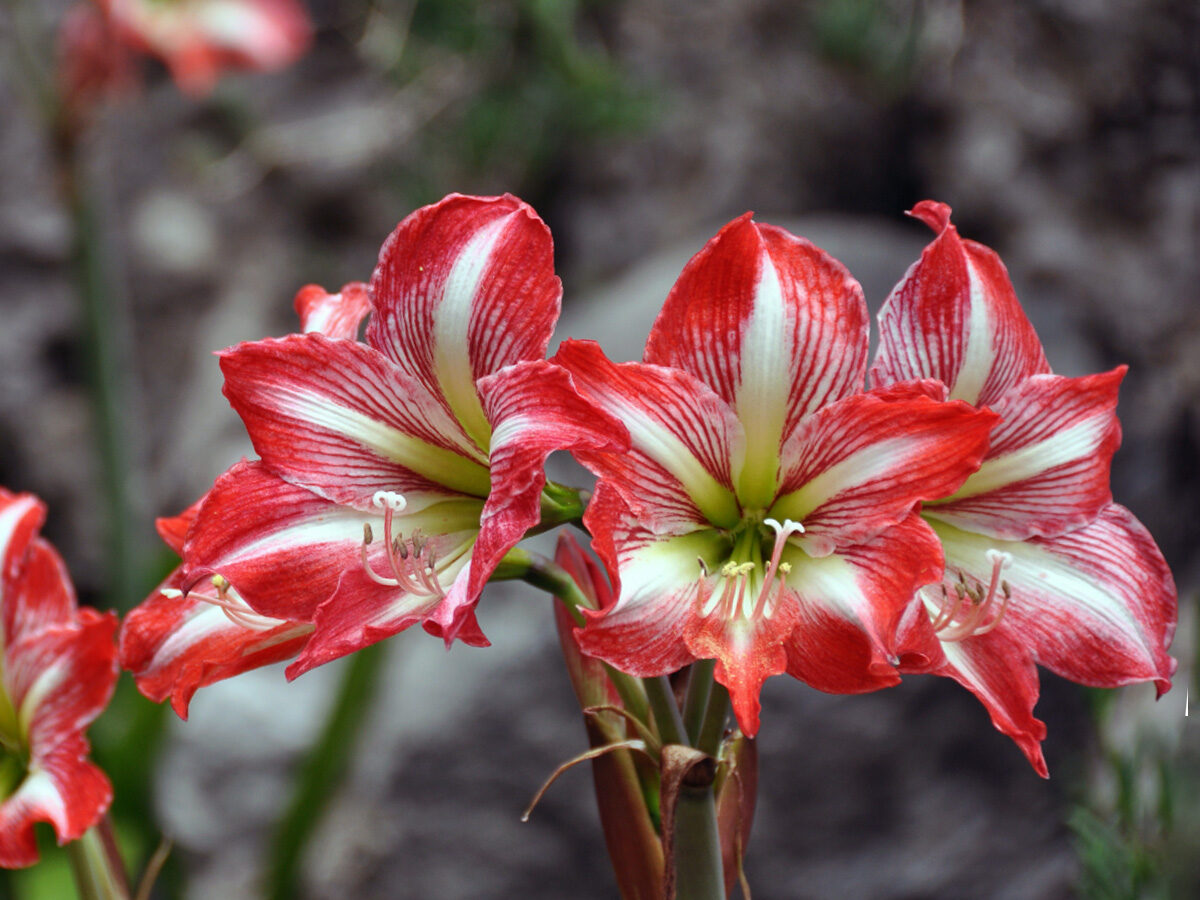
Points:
(980, 355)
(762, 395)
(451, 324)
(434, 463)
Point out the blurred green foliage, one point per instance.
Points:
(542, 81)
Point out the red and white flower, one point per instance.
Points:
(1041, 566)
(394, 474)
(764, 516)
(59, 672)
(198, 39)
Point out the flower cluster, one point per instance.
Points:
(58, 672)
(761, 500)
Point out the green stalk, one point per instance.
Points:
(698, 869)
(96, 865)
(700, 683)
(666, 711)
(323, 771)
(712, 730)
(106, 331)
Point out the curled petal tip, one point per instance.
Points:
(934, 214)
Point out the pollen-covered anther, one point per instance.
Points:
(228, 601)
(970, 613)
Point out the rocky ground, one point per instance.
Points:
(1066, 135)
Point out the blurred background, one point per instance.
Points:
(1066, 135)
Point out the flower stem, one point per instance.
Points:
(712, 730)
(700, 683)
(666, 710)
(96, 864)
(698, 870)
(107, 336)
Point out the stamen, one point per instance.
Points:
(782, 533)
(976, 621)
(228, 601)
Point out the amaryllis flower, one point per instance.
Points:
(59, 672)
(1041, 566)
(198, 39)
(764, 515)
(394, 474)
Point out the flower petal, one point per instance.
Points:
(534, 410)
(998, 668)
(62, 788)
(954, 317)
(776, 326)
(1047, 469)
(40, 595)
(748, 651)
(362, 612)
(333, 315)
(850, 606)
(1096, 605)
(60, 678)
(21, 515)
(463, 288)
(177, 644)
(338, 418)
(864, 463)
(657, 580)
(676, 476)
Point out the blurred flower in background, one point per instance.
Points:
(58, 674)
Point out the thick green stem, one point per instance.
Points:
(323, 771)
(712, 730)
(700, 683)
(96, 864)
(698, 870)
(666, 710)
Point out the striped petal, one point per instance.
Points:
(40, 595)
(677, 475)
(175, 644)
(58, 680)
(21, 515)
(774, 325)
(62, 788)
(850, 606)
(333, 315)
(340, 419)
(997, 668)
(954, 317)
(1096, 605)
(1047, 469)
(283, 549)
(863, 464)
(362, 612)
(534, 410)
(463, 288)
(658, 585)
